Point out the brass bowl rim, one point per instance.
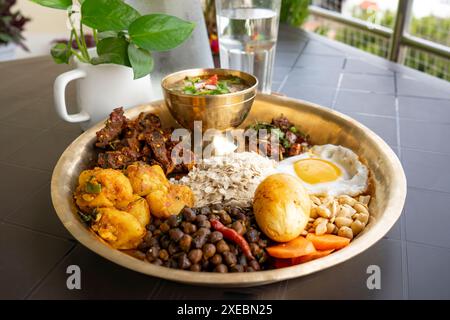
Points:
(209, 71)
(80, 232)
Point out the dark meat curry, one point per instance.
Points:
(123, 141)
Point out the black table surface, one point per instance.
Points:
(408, 109)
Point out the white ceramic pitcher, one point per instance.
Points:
(100, 89)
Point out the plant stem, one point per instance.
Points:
(79, 44)
(83, 42)
(81, 58)
(94, 32)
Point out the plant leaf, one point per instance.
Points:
(55, 4)
(5, 37)
(106, 15)
(141, 60)
(106, 34)
(159, 32)
(112, 50)
(61, 53)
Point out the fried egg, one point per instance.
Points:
(328, 170)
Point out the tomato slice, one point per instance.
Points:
(213, 80)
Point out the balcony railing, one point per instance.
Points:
(395, 44)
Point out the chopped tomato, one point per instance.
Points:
(213, 80)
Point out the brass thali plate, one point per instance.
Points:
(322, 124)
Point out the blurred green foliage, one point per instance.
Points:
(294, 12)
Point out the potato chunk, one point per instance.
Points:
(118, 228)
(139, 209)
(164, 198)
(164, 204)
(102, 188)
(145, 178)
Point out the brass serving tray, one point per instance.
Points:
(324, 126)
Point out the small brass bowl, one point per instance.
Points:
(215, 111)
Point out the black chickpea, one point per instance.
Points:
(157, 233)
(200, 218)
(256, 250)
(189, 228)
(164, 255)
(215, 236)
(221, 268)
(152, 254)
(195, 267)
(209, 250)
(237, 268)
(205, 264)
(189, 214)
(164, 242)
(199, 240)
(173, 221)
(252, 235)
(204, 224)
(157, 262)
(216, 259)
(242, 260)
(183, 261)
(173, 264)
(230, 258)
(173, 248)
(185, 242)
(148, 236)
(154, 242)
(176, 234)
(234, 211)
(254, 264)
(238, 227)
(222, 246)
(157, 222)
(188, 241)
(164, 227)
(224, 217)
(195, 255)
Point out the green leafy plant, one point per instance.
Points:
(122, 35)
(294, 12)
(11, 24)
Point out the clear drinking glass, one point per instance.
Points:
(248, 32)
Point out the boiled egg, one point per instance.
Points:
(328, 170)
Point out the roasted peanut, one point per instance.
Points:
(343, 222)
(345, 232)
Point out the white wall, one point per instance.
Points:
(46, 25)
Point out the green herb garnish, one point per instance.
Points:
(93, 187)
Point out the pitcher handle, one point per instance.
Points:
(59, 95)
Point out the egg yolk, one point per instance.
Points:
(315, 171)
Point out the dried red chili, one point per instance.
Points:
(233, 236)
